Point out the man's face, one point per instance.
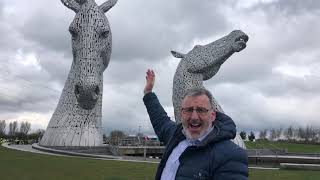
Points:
(196, 116)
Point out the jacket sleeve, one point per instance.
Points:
(162, 125)
(234, 165)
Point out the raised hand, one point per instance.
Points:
(150, 79)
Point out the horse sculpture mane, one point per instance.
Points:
(77, 118)
(201, 64)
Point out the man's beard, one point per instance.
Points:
(188, 135)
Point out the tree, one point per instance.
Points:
(263, 134)
(13, 128)
(251, 137)
(278, 133)
(25, 127)
(273, 134)
(243, 135)
(311, 133)
(116, 137)
(289, 133)
(104, 137)
(2, 128)
(36, 136)
(40, 132)
(302, 133)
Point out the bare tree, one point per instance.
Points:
(263, 134)
(116, 137)
(289, 133)
(311, 133)
(13, 128)
(251, 137)
(273, 134)
(278, 133)
(2, 128)
(243, 135)
(40, 132)
(25, 127)
(36, 136)
(302, 133)
(317, 138)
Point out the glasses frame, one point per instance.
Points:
(201, 111)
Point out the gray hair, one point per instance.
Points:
(198, 92)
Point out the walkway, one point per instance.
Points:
(29, 148)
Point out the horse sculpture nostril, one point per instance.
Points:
(76, 89)
(86, 95)
(97, 90)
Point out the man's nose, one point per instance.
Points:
(194, 115)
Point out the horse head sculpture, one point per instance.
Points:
(91, 48)
(77, 118)
(201, 64)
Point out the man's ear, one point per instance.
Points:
(213, 115)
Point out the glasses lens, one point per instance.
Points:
(199, 110)
(202, 110)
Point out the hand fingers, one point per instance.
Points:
(150, 73)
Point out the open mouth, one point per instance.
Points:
(86, 103)
(87, 98)
(194, 125)
(241, 42)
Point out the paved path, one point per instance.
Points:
(28, 148)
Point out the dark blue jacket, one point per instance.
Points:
(216, 157)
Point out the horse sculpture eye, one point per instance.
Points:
(104, 34)
(73, 33)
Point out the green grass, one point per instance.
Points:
(283, 175)
(292, 147)
(29, 166)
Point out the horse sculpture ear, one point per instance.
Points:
(71, 4)
(107, 5)
(177, 54)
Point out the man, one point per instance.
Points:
(199, 147)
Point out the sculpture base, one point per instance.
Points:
(103, 150)
(93, 152)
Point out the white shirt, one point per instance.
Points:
(170, 170)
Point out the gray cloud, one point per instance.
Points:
(273, 38)
(291, 8)
(47, 31)
(151, 29)
(263, 85)
(1, 9)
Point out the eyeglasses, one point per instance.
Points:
(201, 111)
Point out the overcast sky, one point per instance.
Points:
(274, 82)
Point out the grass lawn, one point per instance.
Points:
(283, 175)
(292, 147)
(29, 166)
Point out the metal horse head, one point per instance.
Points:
(91, 48)
(207, 59)
(201, 64)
